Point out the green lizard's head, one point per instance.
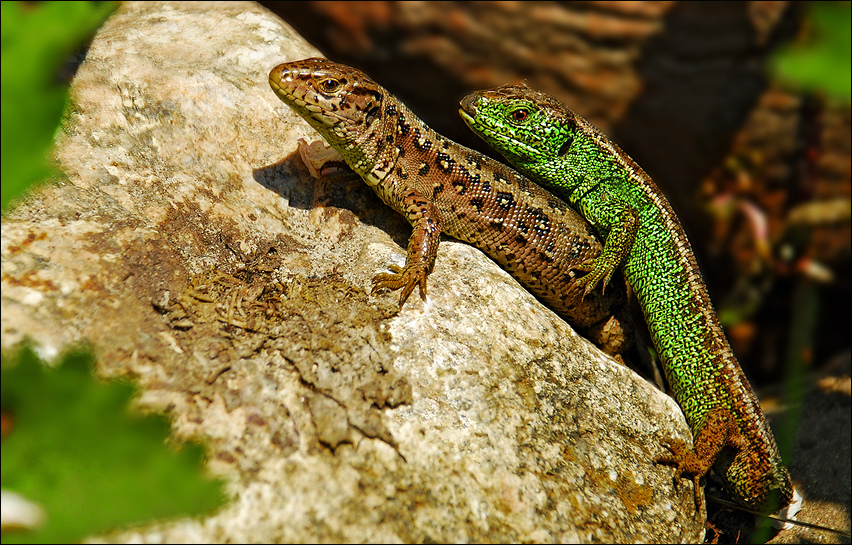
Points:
(343, 104)
(526, 126)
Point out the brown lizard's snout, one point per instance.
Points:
(277, 77)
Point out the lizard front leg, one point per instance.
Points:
(621, 223)
(422, 246)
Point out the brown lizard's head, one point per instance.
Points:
(340, 102)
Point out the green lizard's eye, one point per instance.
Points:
(520, 115)
(330, 85)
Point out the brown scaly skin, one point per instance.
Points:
(440, 186)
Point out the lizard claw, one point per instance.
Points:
(596, 272)
(406, 278)
(676, 455)
(683, 458)
(317, 155)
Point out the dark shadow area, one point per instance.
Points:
(701, 75)
(338, 188)
(283, 178)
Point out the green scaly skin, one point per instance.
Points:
(555, 147)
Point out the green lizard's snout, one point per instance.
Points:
(467, 110)
(468, 106)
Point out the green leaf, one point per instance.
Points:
(79, 451)
(822, 61)
(36, 39)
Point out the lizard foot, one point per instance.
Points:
(687, 465)
(318, 155)
(612, 335)
(597, 271)
(406, 278)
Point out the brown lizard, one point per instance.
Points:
(443, 187)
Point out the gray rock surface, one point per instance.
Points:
(190, 247)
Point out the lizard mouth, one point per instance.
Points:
(488, 134)
(469, 119)
(286, 89)
(467, 111)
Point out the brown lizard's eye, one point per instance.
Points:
(330, 85)
(520, 115)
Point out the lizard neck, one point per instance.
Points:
(366, 146)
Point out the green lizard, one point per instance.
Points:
(557, 148)
(440, 186)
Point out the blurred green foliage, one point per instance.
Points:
(77, 449)
(822, 60)
(37, 39)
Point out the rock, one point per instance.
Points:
(190, 247)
